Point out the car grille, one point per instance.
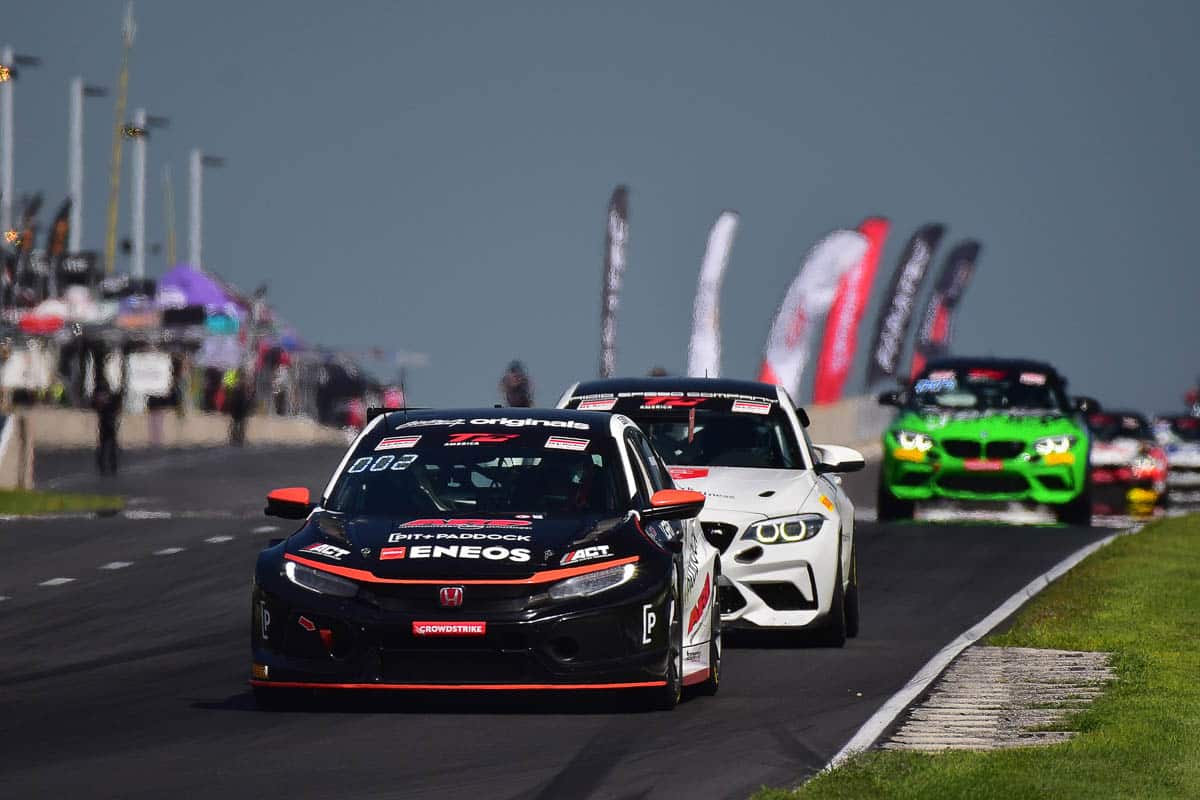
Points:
(719, 534)
(984, 483)
(1055, 483)
(1004, 450)
(464, 666)
(961, 448)
(783, 596)
(423, 598)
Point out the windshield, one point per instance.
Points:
(1107, 427)
(987, 389)
(1185, 428)
(716, 439)
(482, 471)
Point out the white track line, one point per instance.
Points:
(3, 597)
(218, 539)
(116, 565)
(265, 529)
(874, 727)
(56, 582)
(169, 551)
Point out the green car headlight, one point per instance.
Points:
(785, 529)
(1050, 445)
(911, 440)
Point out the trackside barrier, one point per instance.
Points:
(16, 453)
(855, 422)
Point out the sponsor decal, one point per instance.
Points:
(986, 375)
(701, 604)
(382, 463)
(667, 401)
(463, 439)
(327, 550)
(598, 405)
(694, 655)
(1033, 379)
(825, 501)
(566, 443)
(935, 385)
(586, 554)
(687, 473)
(306, 623)
(397, 442)
(493, 552)
(449, 628)
(468, 524)
(505, 422)
(751, 407)
(391, 553)
(649, 619)
(942, 375)
(450, 597)
(265, 627)
(459, 537)
(982, 465)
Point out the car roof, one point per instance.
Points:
(599, 418)
(969, 362)
(1120, 412)
(671, 383)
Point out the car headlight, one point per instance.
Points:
(592, 583)
(317, 581)
(1053, 444)
(785, 529)
(911, 440)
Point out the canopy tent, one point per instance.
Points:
(185, 286)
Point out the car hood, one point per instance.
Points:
(1115, 452)
(990, 425)
(455, 546)
(764, 492)
(1183, 454)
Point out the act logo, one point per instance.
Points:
(586, 554)
(327, 550)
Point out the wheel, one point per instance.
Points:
(852, 597)
(666, 697)
(888, 507)
(833, 631)
(1078, 511)
(710, 686)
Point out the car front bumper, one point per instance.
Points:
(1011, 480)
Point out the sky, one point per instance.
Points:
(432, 177)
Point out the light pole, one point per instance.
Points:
(128, 29)
(138, 131)
(8, 74)
(75, 96)
(196, 165)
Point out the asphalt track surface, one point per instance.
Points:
(129, 680)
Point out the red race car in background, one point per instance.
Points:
(1128, 467)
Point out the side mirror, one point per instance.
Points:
(1086, 405)
(889, 398)
(290, 503)
(835, 458)
(674, 504)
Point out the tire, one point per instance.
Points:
(666, 697)
(888, 507)
(852, 597)
(833, 631)
(1078, 511)
(710, 686)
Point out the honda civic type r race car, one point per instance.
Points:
(986, 429)
(489, 550)
(783, 524)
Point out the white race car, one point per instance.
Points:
(774, 508)
(1179, 436)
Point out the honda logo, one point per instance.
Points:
(450, 597)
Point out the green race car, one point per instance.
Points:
(986, 429)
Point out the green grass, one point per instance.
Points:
(20, 501)
(1138, 598)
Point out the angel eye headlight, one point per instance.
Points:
(317, 581)
(785, 529)
(1053, 444)
(911, 440)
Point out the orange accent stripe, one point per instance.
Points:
(537, 577)
(459, 687)
(699, 676)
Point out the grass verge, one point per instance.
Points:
(1139, 598)
(22, 502)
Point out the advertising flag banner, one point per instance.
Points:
(704, 349)
(615, 240)
(933, 338)
(891, 329)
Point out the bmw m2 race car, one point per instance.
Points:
(1128, 468)
(1180, 438)
(783, 524)
(986, 429)
(490, 550)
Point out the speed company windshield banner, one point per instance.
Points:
(704, 349)
(615, 238)
(806, 302)
(841, 329)
(891, 329)
(933, 338)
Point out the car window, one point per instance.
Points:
(659, 477)
(640, 478)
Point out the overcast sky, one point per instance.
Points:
(433, 176)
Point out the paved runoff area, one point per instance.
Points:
(124, 656)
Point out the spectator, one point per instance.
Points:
(107, 405)
(515, 386)
(237, 401)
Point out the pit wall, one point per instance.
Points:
(854, 422)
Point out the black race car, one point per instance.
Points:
(490, 550)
